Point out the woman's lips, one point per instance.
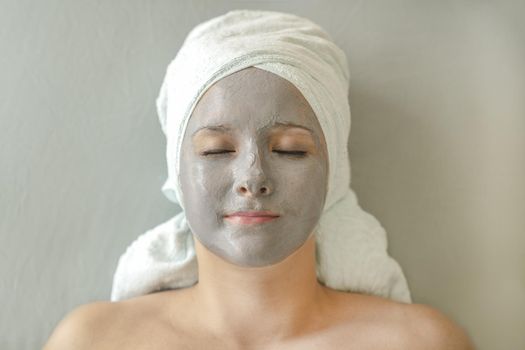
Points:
(251, 217)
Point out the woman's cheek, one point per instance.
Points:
(301, 173)
(214, 179)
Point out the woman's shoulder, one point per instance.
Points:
(103, 324)
(431, 327)
(400, 325)
(81, 325)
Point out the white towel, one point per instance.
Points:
(351, 245)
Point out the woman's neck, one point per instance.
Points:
(274, 302)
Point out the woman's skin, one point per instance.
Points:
(257, 285)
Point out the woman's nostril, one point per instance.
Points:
(245, 190)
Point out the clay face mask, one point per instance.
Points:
(253, 144)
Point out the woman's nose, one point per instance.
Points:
(253, 181)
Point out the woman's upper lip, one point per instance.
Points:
(253, 213)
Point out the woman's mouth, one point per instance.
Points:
(251, 217)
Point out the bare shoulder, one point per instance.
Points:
(382, 323)
(139, 322)
(433, 330)
(80, 328)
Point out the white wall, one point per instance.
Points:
(437, 147)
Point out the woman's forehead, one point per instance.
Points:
(253, 98)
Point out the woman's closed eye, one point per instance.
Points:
(295, 153)
(216, 151)
(291, 153)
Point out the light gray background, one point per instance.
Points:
(437, 147)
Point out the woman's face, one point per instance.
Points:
(253, 144)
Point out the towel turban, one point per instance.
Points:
(351, 245)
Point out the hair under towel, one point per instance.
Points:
(351, 245)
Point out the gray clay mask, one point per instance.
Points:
(253, 143)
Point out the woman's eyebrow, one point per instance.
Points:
(278, 125)
(216, 128)
(288, 125)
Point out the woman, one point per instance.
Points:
(253, 171)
